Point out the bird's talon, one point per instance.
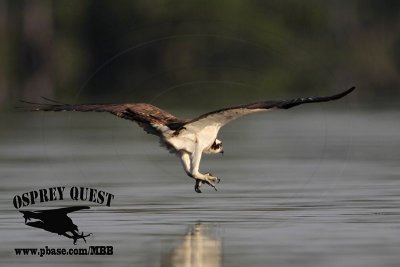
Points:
(211, 184)
(198, 185)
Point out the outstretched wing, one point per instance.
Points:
(152, 119)
(62, 210)
(222, 116)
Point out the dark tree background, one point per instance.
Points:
(216, 52)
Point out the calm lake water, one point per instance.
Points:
(305, 187)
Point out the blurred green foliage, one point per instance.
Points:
(195, 52)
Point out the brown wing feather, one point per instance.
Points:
(147, 116)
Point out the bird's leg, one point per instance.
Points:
(185, 159)
(186, 163)
(199, 177)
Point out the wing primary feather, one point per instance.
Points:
(32, 103)
(315, 99)
(52, 100)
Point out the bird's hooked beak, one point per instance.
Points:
(222, 152)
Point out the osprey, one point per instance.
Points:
(56, 221)
(186, 138)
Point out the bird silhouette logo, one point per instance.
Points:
(56, 221)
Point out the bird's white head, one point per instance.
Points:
(215, 148)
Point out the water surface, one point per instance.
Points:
(304, 188)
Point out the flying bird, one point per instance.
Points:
(186, 138)
(56, 221)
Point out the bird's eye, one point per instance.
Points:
(215, 146)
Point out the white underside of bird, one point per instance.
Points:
(194, 140)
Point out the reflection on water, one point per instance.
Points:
(198, 248)
(307, 188)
